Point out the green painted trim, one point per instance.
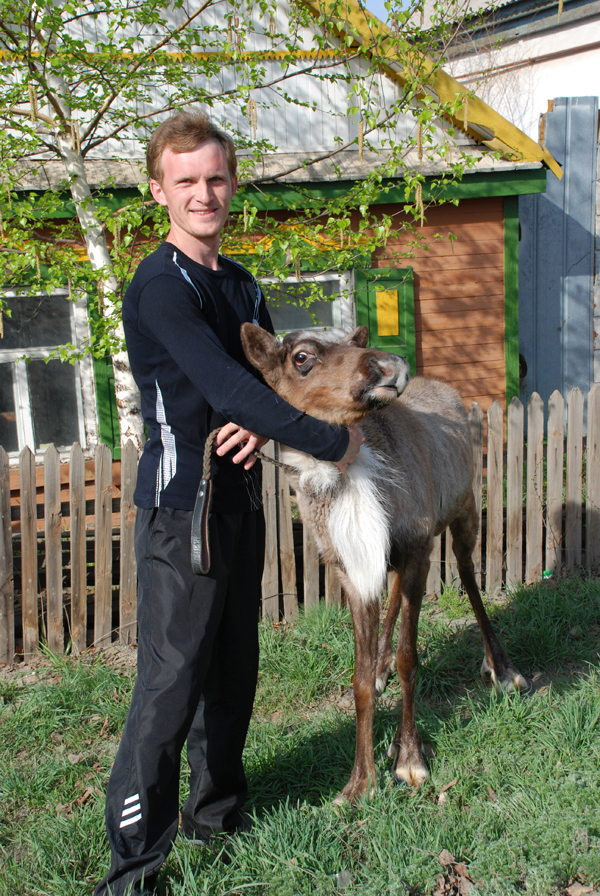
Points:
(106, 405)
(269, 197)
(511, 296)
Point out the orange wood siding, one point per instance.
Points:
(459, 296)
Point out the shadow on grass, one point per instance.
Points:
(551, 631)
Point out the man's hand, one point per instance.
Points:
(232, 435)
(356, 440)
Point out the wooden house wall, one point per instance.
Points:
(459, 296)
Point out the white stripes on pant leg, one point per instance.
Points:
(132, 804)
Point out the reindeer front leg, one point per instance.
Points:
(365, 619)
(405, 749)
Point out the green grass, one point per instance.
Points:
(524, 813)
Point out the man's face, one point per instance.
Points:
(197, 189)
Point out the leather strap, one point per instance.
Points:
(200, 540)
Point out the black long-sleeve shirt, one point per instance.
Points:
(182, 326)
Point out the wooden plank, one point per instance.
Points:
(430, 279)
(469, 372)
(494, 498)
(592, 503)
(429, 303)
(554, 477)
(574, 489)
(443, 249)
(459, 264)
(432, 339)
(485, 319)
(128, 566)
(29, 582)
(287, 558)
(77, 543)
(434, 576)
(52, 520)
(310, 568)
(514, 494)
(103, 548)
(333, 588)
(476, 431)
(463, 354)
(534, 489)
(270, 579)
(451, 566)
(7, 597)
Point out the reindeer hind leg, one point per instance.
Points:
(504, 674)
(386, 660)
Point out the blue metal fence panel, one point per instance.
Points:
(556, 257)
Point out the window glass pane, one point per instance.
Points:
(37, 321)
(52, 393)
(8, 418)
(291, 315)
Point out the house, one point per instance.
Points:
(532, 60)
(446, 297)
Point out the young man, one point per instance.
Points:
(198, 638)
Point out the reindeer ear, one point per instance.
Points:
(261, 348)
(358, 337)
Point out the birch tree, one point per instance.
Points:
(80, 81)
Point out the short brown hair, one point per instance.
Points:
(183, 133)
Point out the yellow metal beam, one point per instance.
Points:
(483, 123)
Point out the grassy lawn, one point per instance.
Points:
(513, 799)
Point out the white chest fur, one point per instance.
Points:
(359, 528)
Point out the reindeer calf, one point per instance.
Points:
(411, 479)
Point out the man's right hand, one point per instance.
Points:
(356, 440)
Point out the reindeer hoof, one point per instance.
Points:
(408, 768)
(353, 793)
(506, 679)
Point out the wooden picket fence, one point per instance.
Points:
(67, 564)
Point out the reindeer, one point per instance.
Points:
(411, 479)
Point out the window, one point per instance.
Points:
(41, 402)
(284, 301)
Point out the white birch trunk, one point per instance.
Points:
(131, 423)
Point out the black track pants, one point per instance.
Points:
(197, 669)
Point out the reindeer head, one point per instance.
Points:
(335, 379)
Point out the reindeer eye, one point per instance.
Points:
(301, 358)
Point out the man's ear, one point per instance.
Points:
(262, 350)
(157, 191)
(358, 337)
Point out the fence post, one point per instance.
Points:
(103, 547)
(29, 552)
(52, 527)
(574, 479)
(555, 454)
(476, 429)
(77, 544)
(310, 568)
(270, 579)
(434, 576)
(7, 596)
(514, 494)
(592, 506)
(128, 567)
(535, 489)
(495, 510)
(286, 551)
(333, 588)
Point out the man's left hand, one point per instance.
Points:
(232, 435)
